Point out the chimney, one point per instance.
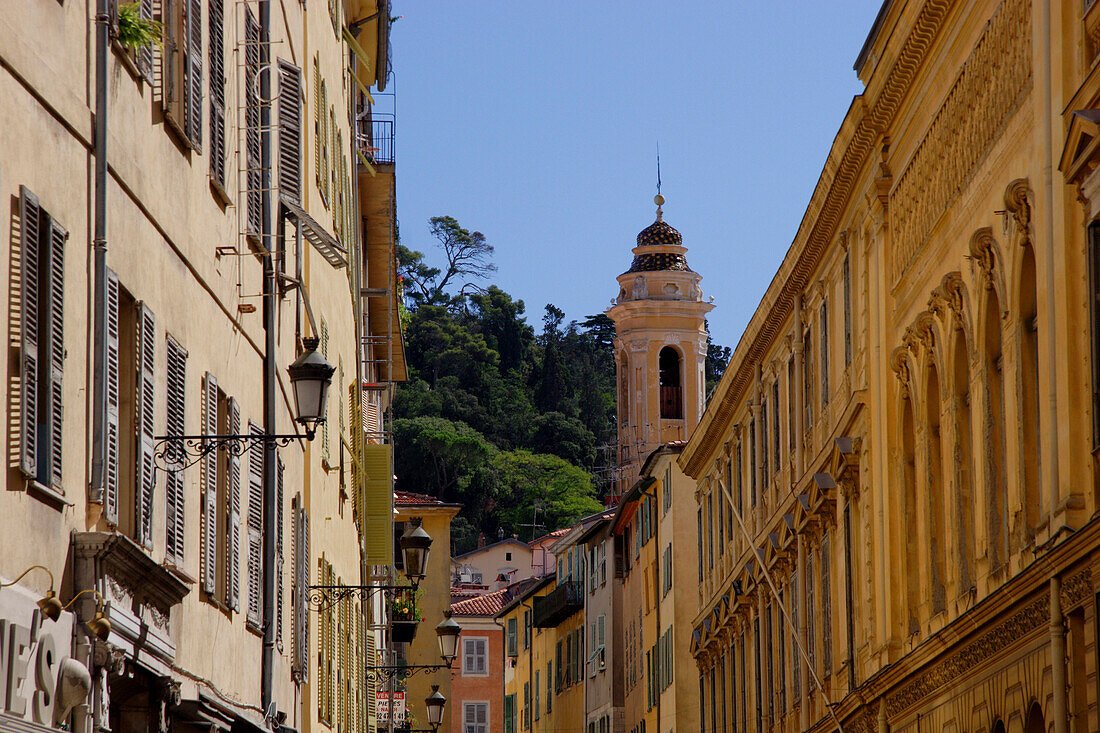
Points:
(480, 540)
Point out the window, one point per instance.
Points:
(759, 697)
(216, 58)
(526, 629)
(254, 179)
(740, 469)
(601, 551)
(826, 607)
(510, 713)
(721, 523)
(710, 530)
(475, 717)
(1094, 311)
(672, 403)
(42, 346)
(549, 685)
(666, 490)
(775, 424)
(824, 324)
(526, 705)
(512, 650)
(538, 689)
(752, 463)
(811, 619)
(507, 557)
(474, 657)
(175, 413)
(807, 380)
(847, 276)
(601, 640)
(666, 570)
(764, 438)
(181, 73)
(790, 408)
(699, 536)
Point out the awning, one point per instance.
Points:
(331, 249)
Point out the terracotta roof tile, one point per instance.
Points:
(488, 604)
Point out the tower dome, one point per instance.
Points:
(664, 243)
(659, 232)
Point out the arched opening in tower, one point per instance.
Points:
(672, 393)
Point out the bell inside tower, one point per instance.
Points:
(672, 394)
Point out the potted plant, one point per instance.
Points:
(134, 31)
(405, 614)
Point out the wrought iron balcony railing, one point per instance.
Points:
(559, 604)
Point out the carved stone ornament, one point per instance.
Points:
(1016, 201)
(981, 255)
(899, 362)
(641, 290)
(1076, 590)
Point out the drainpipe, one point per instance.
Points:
(1058, 657)
(269, 290)
(99, 251)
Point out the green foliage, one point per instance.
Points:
(494, 416)
(134, 31)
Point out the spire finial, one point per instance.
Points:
(659, 199)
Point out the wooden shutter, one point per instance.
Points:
(145, 476)
(300, 591)
(378, 503)
(324, 174)
(279, 467)
(372, 702)
(29, 215)
(253, 163)
(209, 537)
(111, 389)
(216, 41)
(52, 309)
(255, 525)
(233, 514)
(174, 426)
(169, 54)
(192, 72)
(317, 120)
(290, 131)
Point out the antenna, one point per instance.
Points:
(659, 199)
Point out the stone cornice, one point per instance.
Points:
(852, 147)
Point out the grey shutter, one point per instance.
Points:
(233, 514)
(29, 215)
(174, 426)
(145, 53)
(111, 387)
(216, 41)
(279, 551)
(209, 542)
(290, 131)
(145, 476)
(255, 525)
(54, 310)
(169, 50)
(253, 175)
(299, 591)
(192, 70)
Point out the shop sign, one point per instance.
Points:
(383, 707)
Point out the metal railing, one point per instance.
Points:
(374, 137)
(559, 604)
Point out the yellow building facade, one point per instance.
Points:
(896, 471)
(194, 227)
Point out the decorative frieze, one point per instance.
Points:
(951, 669)
(993, 83)
(1076, 590)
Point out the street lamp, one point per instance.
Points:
(435, 703)
(447, 631)
(415, 544)
(310, 377)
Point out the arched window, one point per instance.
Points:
(963, 464)
(1035, 722)
(672, 393)
(994, 434)
(909, 487)
(624, 391)
(1029, 391)
(936, 495)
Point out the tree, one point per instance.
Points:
(525, 480)
(468, 256)
(437, 456)
(552, 391)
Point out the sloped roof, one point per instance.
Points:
(488, 604)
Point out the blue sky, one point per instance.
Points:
(537, 123)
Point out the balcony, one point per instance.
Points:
(374, 137)
(559, 604)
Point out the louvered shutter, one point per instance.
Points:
(111, 388)
(29, 215)
(340, 698)
(290, 131)
(299, 664)
(233, 516)
(378, 502)
(216, 53)
(255, 525)
(169, 51)
(192, 70)
(279, 468)
(324, 174)
(209, 542)
(52, 309)
(145, 476)
(318, 117)
(372, 694)
(253, 175)
(174, 427)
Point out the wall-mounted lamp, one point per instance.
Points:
(447, 632)
(49, 604)
(99, 626)
(310, 378)
(435, 703)
(415, 544)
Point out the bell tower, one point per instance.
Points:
(660, 347)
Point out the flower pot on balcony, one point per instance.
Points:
(403, 630)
